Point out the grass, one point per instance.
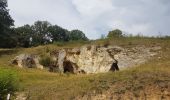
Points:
(43, 85)
(48, 86)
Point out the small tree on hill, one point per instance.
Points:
(115, 33)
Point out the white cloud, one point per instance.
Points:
(96, 17)
(92, 7)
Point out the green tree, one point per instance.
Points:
(58, 33)
(24, 33)
(40, 30)
(77, 35)
(115, 33)
(6, 37)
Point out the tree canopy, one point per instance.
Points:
(77, 35)
(6, 36)
(40, 33)
(115, 33)
(58, 33)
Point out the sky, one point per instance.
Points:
(96, 17)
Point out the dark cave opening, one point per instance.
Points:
(68, 67)
(114, 66)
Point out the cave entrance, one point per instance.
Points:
(68, 67)
(114, 66)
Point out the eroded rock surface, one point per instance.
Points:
(87, 59)
(91, 59)
(97, 59)
(134, 56)
(27, 60)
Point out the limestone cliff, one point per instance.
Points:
(91, 59)
(87, 59)
(99, 59)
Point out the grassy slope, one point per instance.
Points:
(49, 86)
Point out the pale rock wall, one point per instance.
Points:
(27, 60)
(99, 59)
(88, 59)
(91, 59)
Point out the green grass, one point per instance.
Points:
(43, 85)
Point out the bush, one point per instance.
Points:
(46, 60)
(9, 82)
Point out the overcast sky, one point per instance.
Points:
(96, 17)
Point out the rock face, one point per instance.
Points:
(97, 59)
(134, 56)
(87, 59)
(91, 59)
(27, 60)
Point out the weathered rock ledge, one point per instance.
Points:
(27, 60)
(91, 59)
(87, 59)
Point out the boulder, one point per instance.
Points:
(28, 61)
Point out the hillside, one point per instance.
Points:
(147, 81)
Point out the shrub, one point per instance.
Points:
(46, 60)
(9, 82)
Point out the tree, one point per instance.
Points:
(5, 19)
(115, 33)
(34, 35)
(24, 33)
(6, 36)
(77, 35)
(40, 31)
(58, 33)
